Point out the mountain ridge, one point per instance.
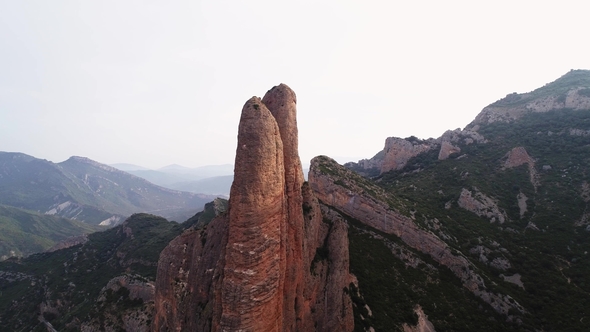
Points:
(570, 91)
(83, 189)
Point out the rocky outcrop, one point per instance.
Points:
(451, 139)
(481, 205)
(188, 279)
(447, 149)
(251, 268)
(570, 91)
(348, 192)
(281, 101)
(424, 325)
(398, 151)
(126, 302)
(519, 156)
(572, 99)
(394, 156)
(579, 132)
(252, 286)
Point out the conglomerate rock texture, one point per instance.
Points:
(256, 268)
(281, 101)
(252, 289)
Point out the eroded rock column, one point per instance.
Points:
(252, 294)
(281, 101)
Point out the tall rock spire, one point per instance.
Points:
(281, 101)
(251, 269)
(252, 285)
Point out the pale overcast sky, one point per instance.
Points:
(154, 83)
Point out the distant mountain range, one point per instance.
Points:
(88, 191)
(210, 179)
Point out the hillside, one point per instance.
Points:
(106, 282)
(514, 202)
(85, 190)
(25, 232)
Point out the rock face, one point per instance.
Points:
(398, 151)
(519, 156)
(348, 192)
(125, 288)
(281, 101)
(251, 268)
(481, 205)
(252, 289)
(515, 106)
(571, 91)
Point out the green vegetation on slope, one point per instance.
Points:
(70, 280)
(558, 88)
(392, 287)
(548, 246)
(88, 191)
(25, 232)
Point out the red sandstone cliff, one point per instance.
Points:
(255, 268)
(281, 101)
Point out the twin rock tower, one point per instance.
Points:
(273, 262)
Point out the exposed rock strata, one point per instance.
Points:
(545, 99)
(345, 193)
(251, 269)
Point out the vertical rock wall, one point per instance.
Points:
(281, 101)
(251, 269)
(252, 288)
